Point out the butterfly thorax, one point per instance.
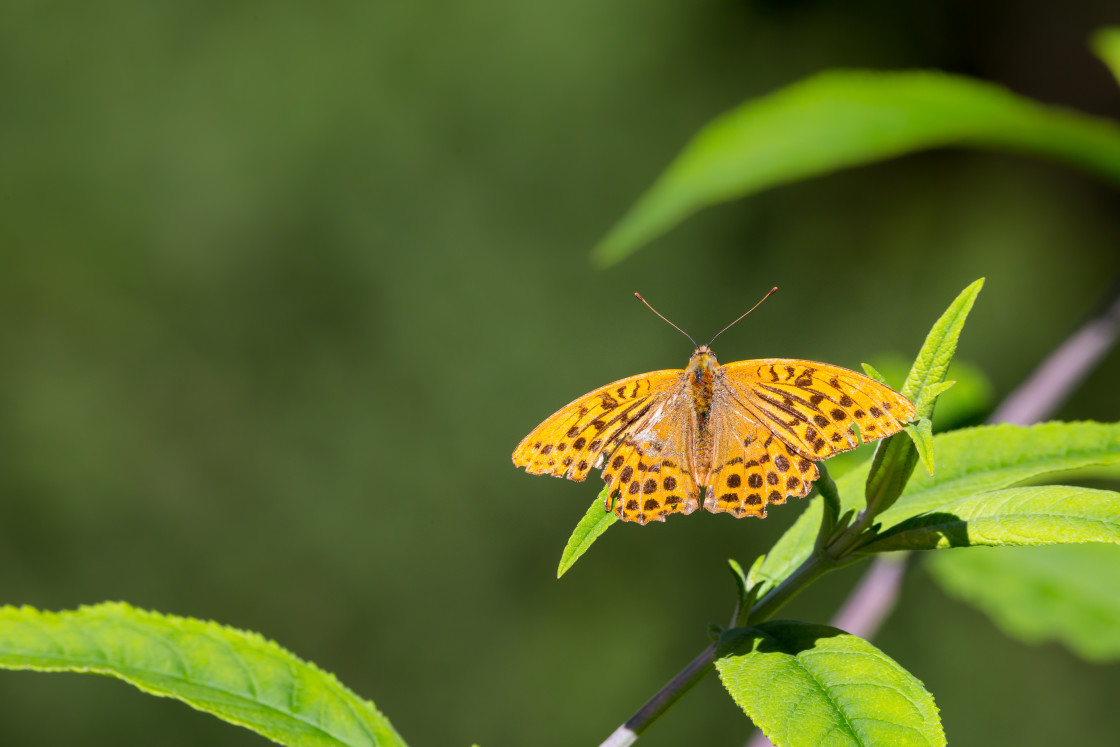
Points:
(701, 373)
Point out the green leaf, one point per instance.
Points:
(740, 579)
(1106, 45)
(891, 468)
(808, 684)
(237, 676)
(970, 461)
(870, 371)
(593, 523)
(932, 393)
(752, 574)
(1051, 515)
(921, 433)
(937, 351)
(746, 596)
(1067, 593)
(845, 118)
(895, 457)
(994, 457)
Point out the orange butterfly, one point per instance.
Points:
(748, 432)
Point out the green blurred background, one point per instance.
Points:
(283, 284)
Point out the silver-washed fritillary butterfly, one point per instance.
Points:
(747, 434)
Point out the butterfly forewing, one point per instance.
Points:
(575, 438)
(812, 406)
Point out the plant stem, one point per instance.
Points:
(1059, 374)
(813, 568)
(629, 732)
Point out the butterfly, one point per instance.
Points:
(732, 438)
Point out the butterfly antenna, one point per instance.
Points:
(729, 326)
(655, 311)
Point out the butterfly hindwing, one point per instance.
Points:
(575, 438)
(751, 468)
(649, 474)
(812, 406)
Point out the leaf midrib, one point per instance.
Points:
(120, 672)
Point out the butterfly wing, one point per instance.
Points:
(650, 474)
(812, 406)
(751, 468)
(637, 430)
(577, 436)
(774, 417)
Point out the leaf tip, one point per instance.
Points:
(604, 255)
(873, 373)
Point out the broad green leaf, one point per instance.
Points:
(1068, 593)
(593, 523)
(844, 118)
(813, 685)
(895, 457)
(1106, 44)
(993, 457)
(237, 676)
(1053, 515)
(969, 461)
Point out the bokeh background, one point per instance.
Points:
(283, 284)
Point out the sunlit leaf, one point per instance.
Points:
(845, 118)
(1052, 515)
(921, 433)
(237, 676)
(970, 461)
(937, 351)
(874, 373)
(895, 457)
(813, 685)
(594, 522)
(931, 393)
